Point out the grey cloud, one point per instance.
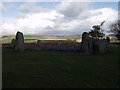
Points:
(72, 9)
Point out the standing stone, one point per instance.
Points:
(85, 48)
(95, 46)
(85, 44)
(108, 43)
(39, 42)
(13, 43)
(19, 42)
(101, 46)
(90, 44)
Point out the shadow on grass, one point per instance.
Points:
(53, 69)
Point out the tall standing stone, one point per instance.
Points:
(19, 42)
(108, 43)
(90, 45)
(85, 44)
(102, 45)
(95, 46)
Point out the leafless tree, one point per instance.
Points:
(115, 28)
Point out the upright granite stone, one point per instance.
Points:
(101, 45)
(39, 42)
(91, 45)
(13, 43)
(95, 46)
(85, 44)
(108, 43)
(19, 42)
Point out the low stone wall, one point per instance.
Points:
(55, 48)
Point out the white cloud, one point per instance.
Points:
(86, 20)
(71, 18)
(32, 23)
(103, 14)
(41, 20)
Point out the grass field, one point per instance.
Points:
(5, 39)
(52, 69)
(34, 38)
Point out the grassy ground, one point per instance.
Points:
(34, 38)
(5, 39)
(52, 69)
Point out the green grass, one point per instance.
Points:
(34, 38)
(52, 69)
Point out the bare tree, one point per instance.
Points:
(115, 28)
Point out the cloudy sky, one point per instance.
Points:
(55, 18)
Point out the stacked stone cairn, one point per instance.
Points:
(91, 45)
